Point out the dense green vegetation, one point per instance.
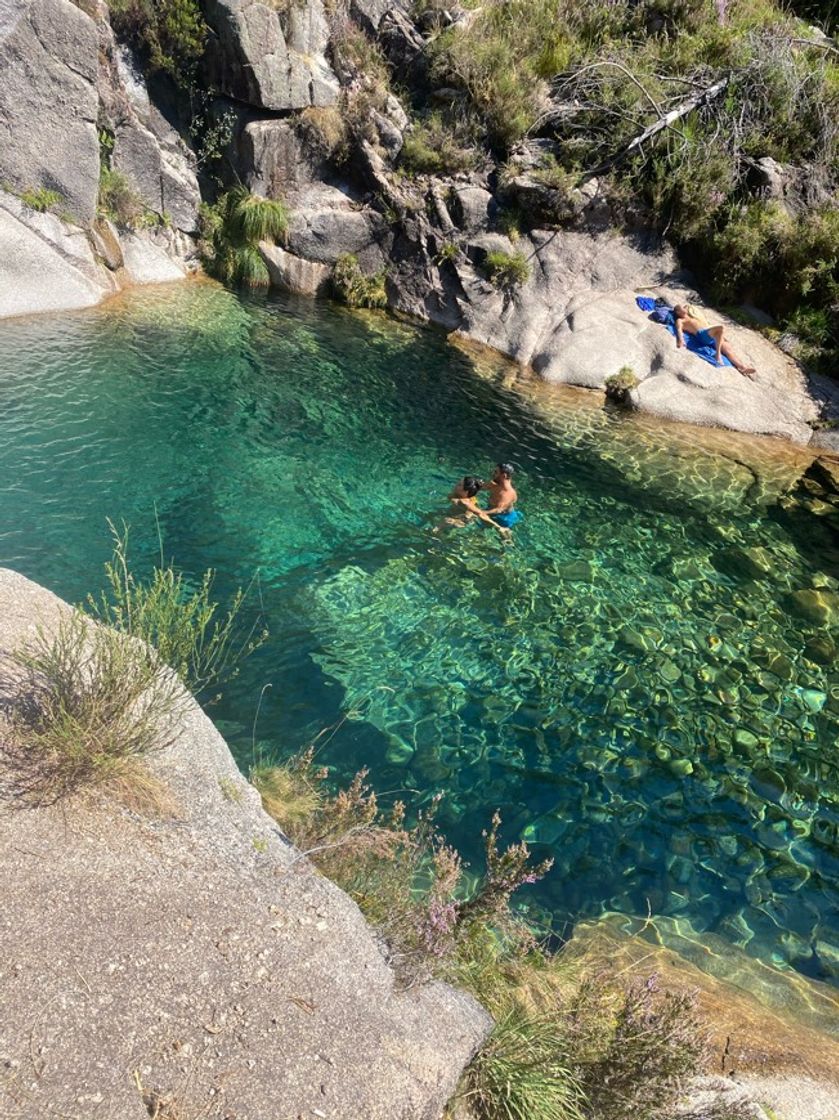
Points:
(231, 230)
(170, 33)
(592, 78)
(354, 286)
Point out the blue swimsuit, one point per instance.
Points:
(507, 519)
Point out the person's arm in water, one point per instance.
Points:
(502, 532)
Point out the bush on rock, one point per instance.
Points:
(354, 287)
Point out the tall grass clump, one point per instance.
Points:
(118, 199)
(525, 1073)
(507, 270)
(181, 622)
(434, 147)
(231, 230)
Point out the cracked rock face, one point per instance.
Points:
(48, 102)
(271, 58)
(149, 151)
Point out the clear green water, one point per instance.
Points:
(637, 699)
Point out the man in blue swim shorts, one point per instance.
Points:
(502, 497)
(707, 336)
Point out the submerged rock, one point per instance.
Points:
(819, 606)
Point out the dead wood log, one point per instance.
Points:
(702, 97)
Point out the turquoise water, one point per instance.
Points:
(643, 682)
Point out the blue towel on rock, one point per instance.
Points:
(697, 343)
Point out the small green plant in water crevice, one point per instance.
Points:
(620, 385)
(354, 287)
(231, 231)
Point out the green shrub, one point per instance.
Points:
(635, 1048)
(117, 198)
(182, 623)
(171, 34)
(571, 1040)
(507, 270)
(42, 199)
(789, 263)
(407, 880)
(621, 384)
(433, 148)
(354, 287)
(524, 1073)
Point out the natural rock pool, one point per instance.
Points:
(643, 682)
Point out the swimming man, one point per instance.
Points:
(502, 497)
(707, 336)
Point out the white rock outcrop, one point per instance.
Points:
(45, 264)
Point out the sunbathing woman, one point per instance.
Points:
(707, 336)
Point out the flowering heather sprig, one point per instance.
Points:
(506, 871)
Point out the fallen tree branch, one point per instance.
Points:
(665, 121)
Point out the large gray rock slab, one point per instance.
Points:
(148, 262)
(45, 264)
(575, 321)
(294, 274)
(274, 161)
(272, 57)
(48, 101)
(162, 177)
(197, 960)
(370, 13)
(326, 222)
(147, 149)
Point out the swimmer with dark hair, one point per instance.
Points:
(464, 497)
